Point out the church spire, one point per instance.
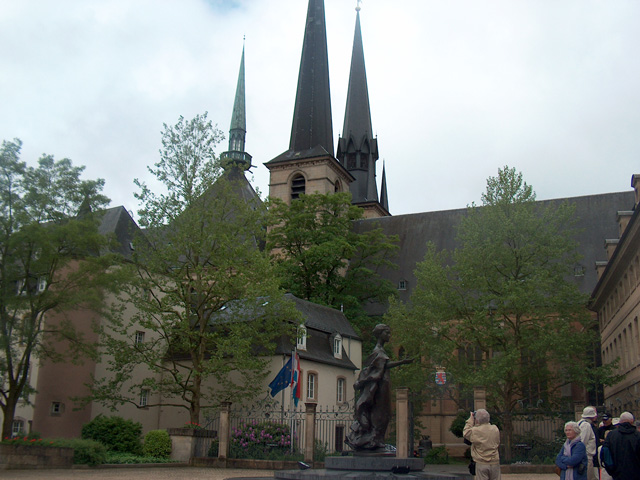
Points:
(384, 200)
(238, 129)
(312, 126)
(357, 148)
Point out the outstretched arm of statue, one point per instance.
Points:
(404, 361)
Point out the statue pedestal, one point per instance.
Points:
(376, 467)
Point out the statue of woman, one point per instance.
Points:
(373, 407)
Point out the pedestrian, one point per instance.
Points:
(604, 475)
(572, 458)
(485, 440)
(588, 438)
(621, 450)
(607, 424)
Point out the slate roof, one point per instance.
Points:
(596, 221)
(117, 221)
(321, 322)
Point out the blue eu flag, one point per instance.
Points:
(282, 380)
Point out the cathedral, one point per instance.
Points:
(313, 164)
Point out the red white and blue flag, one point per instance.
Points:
(295, 379)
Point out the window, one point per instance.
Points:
(340, 390)
(302, 338)
(337, 346)
(57, 408)
(17, 428)
(297, 186)
(312, 380)
(20, 287)
(402, 285)
(139, 337)
(144, 397)
(42, 284)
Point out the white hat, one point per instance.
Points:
(615, 421)
(589, 412)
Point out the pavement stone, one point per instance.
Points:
(175, 473)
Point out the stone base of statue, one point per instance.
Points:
(375, 467)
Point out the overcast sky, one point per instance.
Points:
(458, 88)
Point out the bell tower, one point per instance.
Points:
(309, 165)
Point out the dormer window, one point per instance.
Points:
(336, 341)
(302, 338)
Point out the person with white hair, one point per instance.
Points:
(485, 440)
(621, 450)
(572, 460)
(588, 437)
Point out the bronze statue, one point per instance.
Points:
(373, 407)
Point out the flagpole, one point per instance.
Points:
(282, 392)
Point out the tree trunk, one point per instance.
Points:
(9, 411)
(507, 424)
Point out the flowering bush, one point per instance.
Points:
(265, 440)
(26, 441)
(193, 426)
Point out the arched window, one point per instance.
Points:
(336, 187)
(298, 185)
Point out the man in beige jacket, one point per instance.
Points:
(485, 440)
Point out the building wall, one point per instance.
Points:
(616, 299)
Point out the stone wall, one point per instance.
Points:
(34, 456)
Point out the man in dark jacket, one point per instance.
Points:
(621, 450)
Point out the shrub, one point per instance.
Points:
(157, 443)
(262, 441)
(85, 452)
(437, 455)
(116, 433)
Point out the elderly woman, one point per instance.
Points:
(572, 459)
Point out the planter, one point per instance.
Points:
(34, 456)
(188, 442)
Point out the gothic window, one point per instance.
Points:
(351, 161)
(297, 186)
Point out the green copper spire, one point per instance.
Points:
(238, 129)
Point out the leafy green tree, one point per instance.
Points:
(322, 259)
(500, 312)
(47, 265)
(199, 286)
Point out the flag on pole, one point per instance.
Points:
(295, 380)
(283, 378)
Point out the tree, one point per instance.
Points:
(321, 258)
(47, 265)
(500, 312)
(199, 287)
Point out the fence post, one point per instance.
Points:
(402, 423)
(310, 431)
(223, 434)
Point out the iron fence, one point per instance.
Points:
(332, 424)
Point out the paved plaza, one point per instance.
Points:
(175, 473)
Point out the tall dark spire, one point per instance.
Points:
(384, 199)
(238, 129)
(312, 126)
(357, 148)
